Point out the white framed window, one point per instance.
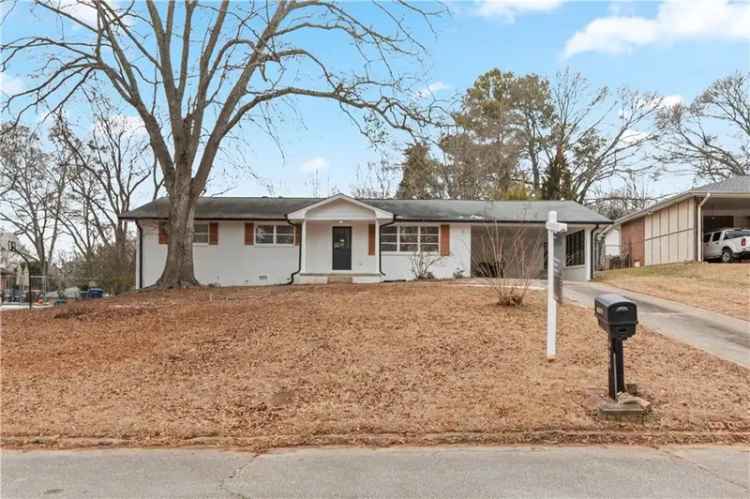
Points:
(274, 234)
(410, 239)
(200, 233)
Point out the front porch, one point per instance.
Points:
(340, 241)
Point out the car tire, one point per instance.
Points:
(727, 256)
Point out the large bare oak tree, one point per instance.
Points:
(211, 67)
(711, 135)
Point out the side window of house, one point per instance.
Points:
(410, 239)
(284, 234)
(200, 233)
(264, 234)
(574, 249)
(389, 238)
(428, 239)
(274, 234)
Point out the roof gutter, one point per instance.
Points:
(380, 253)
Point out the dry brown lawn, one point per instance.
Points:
(346, 364)
(723, 288)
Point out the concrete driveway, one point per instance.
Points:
(718, 334)
(572, 472)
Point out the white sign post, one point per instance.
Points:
(553, 227)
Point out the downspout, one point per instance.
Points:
(140, 254)
(380, 252)
(699, 237)
(299, 253)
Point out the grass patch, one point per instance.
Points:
(723, 288)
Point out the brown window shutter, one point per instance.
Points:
(249, 234)
(297, 234)
(445, 240)
(163, 235)
(213, 233)
(371, 239)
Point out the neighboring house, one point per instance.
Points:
(8, 262)
(671, 230)
(248, 241)
(608, 248)
(610, 241)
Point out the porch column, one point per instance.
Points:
(588, 253)
(303, 247)
(377, 244)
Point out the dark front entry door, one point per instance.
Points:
(342, 248)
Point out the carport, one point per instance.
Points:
(671, 231)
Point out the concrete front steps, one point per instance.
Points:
(337, 278)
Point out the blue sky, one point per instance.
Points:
(676, 50)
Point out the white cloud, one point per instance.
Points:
(631, 136)
(431, 89)
(10, 85)
(510, 9)
(316, 164)
(675, 20)
(671, 100)
(83, 10)
(123, 123)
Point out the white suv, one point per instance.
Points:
(726, 244)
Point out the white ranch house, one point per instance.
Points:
(264, 240)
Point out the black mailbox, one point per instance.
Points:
(617, 315)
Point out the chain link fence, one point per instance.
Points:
(612, 256)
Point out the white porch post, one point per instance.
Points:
(377, 244)
(588, 251)
(303, 247)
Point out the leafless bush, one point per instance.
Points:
(509, 257)
(422, 262)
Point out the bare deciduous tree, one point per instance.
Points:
(509, 257)
(215, 66)
(107, 169)
(600, 135)
(34, 183)
(421, 264)
(378, 180)
(712, 134)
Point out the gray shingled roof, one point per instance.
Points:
(732, 186)
(737, 185)
(259, 208)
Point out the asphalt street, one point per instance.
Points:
(435, 472)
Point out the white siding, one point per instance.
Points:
(229, 263)
(578, 272)
(319, 250)
(670, 234)
(398, 266)
(340, 209)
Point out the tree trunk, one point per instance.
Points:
(178, 270)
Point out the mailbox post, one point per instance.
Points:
(618, 317)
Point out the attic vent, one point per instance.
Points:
(263, 277)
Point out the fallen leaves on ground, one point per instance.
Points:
(358, 364)
(719, 287)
